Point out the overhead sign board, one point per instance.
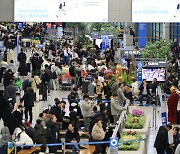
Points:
(61, 10)
(155, 10)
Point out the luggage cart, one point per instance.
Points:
(66, 83)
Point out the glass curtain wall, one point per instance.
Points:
(154, 31)
(175, 31)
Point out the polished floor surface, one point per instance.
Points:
(40, 106)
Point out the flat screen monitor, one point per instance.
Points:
(60, 10)
(150, 73)
(155, 10)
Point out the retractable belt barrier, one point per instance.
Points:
(103, 100)
(79, 143)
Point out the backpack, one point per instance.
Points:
(54, 75)
(72, 71)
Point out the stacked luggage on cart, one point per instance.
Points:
(66, 83)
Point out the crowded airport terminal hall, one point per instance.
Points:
(89, 77)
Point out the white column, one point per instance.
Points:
(166, 31)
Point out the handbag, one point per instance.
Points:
(37, 85)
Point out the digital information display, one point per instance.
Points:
(150, 73)
(60, 10)
(155, 10)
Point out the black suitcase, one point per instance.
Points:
(178, 117)
(66, 86)
(85, 86)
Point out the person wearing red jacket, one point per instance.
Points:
(172, 106)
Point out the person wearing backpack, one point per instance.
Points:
(50, 74)
(73, 75)
(56, 71)
(23, 71)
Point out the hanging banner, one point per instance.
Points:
(142, 35)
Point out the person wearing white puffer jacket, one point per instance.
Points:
(21, 138)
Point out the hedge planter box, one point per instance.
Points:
(134, 147)
(143, 131)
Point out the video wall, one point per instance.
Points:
(60, 10)
(155, 10)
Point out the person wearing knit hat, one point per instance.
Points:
(30, 131)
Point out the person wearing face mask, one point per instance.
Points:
(98, 134)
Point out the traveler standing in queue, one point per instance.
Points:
(176, 137)
(172, 105)
(49, 73)
(98, 134)
(10, 92)
(30, 131)
(28, 99)
(45, 79)
(120, 94)
(86, 109)
(40, 132)
(36, 85)
(116, 108)
(161, 143)
(8, 76)
(21, 56)
(23, 71)
(51, 136)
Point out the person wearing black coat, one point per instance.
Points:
(30, 131)
(161, 142)
(73, 97)
(51, 136)
(58, 110)
(144, 92)
(40, 132)
(10, 92)
(50, 74)
(28, 99)
(154, 86)
(18, 114)
(5, 113)
(167, 86)
(23, 69)
(45, 79)
(21, 56)
(8, 77)
(72, 136)
(176, 137)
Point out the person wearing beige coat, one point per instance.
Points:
(98, 134)
(36, 81)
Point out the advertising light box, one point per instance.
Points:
(61, 10)
(155, 10)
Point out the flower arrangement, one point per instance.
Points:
(137, 113)
(129, 136)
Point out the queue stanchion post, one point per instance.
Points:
(155, 117)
